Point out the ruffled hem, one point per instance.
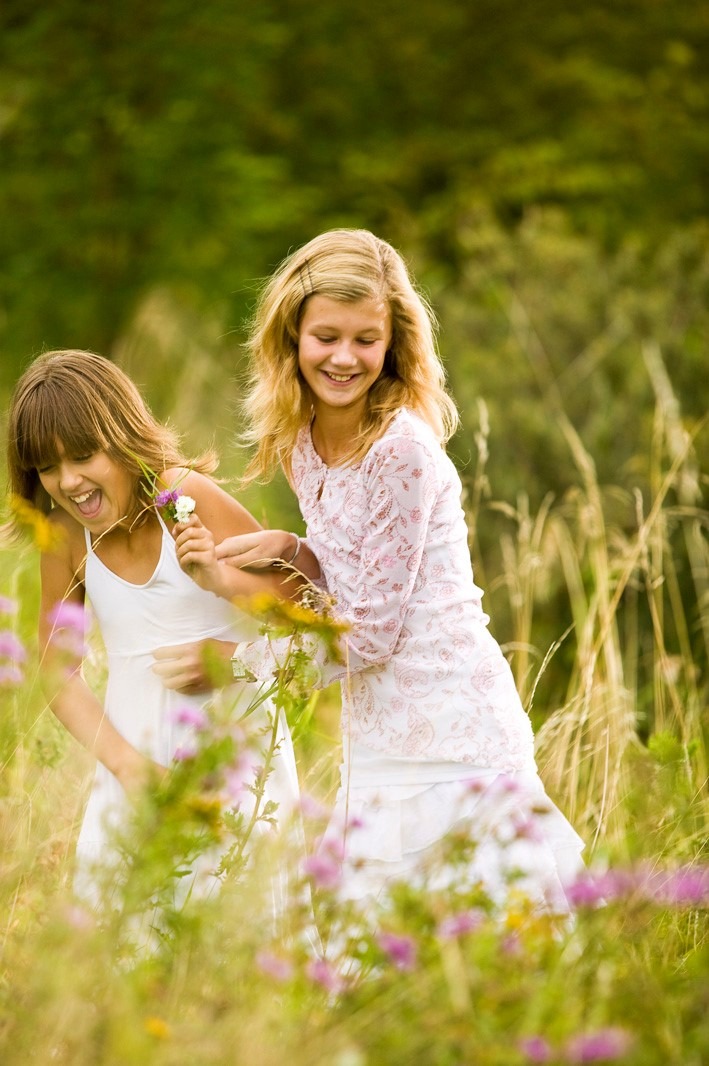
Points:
(523, 843)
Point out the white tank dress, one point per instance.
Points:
(135, 620)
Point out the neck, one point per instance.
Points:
(334, 434)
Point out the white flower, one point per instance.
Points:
(184, 506)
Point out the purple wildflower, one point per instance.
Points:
(322, 973)
(7, 606)
(10, 675)
(11, 647)
(526, 828)
(312, 808)
(324, 869)
(535, 1048)
(400, 949)
(166, 497)
(604, 1045)
(66, 615)
(191, 716)
(456, 925)
(239, 778)
(184, 752)
(274, 965)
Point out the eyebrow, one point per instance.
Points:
(324, 325)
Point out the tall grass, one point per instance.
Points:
(432, 977)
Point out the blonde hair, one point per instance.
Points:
(347, 265)
(86, 403)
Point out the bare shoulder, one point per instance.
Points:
(69, 545)
(217, 509)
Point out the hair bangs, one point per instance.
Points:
(54, 421)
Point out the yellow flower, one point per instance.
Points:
(46, 535)
(157, 1027)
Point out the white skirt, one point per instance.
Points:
(392, 814)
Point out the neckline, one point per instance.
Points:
(308, 430)
(124, 581)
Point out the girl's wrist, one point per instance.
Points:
(288, 558)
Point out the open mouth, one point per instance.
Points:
(89, 503)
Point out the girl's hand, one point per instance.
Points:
(196, 554)
(137, 772)
(195, 668)
(258, 551)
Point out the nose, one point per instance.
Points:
(343, 354)
(69, 476)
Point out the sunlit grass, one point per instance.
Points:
(433, 978)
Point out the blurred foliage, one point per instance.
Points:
(191, 145)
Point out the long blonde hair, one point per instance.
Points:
(347, 265)
(86, 403)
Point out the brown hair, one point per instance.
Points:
(86, 403)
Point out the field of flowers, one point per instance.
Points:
(437, 978)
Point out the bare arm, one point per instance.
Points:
(204, 665)
(218, 519)
(69, 697)
(268, 547)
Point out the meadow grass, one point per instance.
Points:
(431, 977)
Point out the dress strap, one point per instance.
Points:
(87, 538)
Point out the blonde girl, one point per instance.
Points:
(347, 395)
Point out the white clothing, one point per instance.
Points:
(428, 699)
(134, 621)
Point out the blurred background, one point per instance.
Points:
(542, 166)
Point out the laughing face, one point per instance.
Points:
(341, 350)
(94, 489)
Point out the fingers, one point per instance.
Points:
(194, 544)
(254, 550)
(180, 668)
(194, 668)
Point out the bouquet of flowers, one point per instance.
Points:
(176, 505)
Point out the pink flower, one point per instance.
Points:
(69, 625)
(324, 869)
(604, 1045)
(456, 925)
(311, 807)
(184, 752)
(11, 647)
(239, 778)
(66, 615)
(400, 949)
(11, 675)
(535, 1048)
(274, 965)
(322, 973)
(7, 606)
(190, 716)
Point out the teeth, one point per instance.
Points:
(340, 377)
(81, 499)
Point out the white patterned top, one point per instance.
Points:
(423, 678)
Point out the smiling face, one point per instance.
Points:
(341, 350)
(96, 490)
